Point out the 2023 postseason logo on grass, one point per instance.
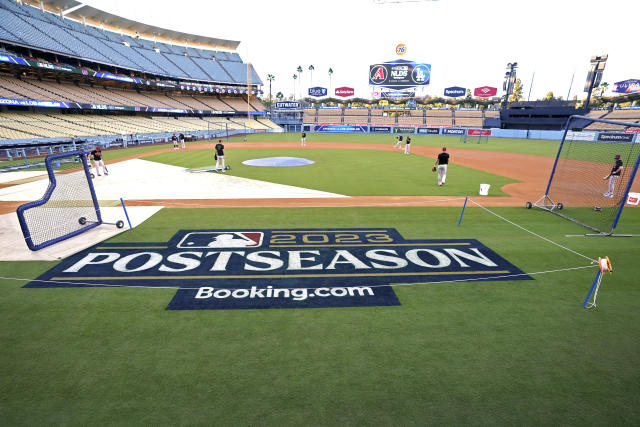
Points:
(241, 269)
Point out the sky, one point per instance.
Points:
(467, 42)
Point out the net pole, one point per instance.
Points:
(626, 192)
(555, 163)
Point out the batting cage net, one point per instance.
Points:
(68, 207)
(593, 172)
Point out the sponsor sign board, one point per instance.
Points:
(288, 105)
(430, 131)
(398, 94)
(633, 199)
(478, 132)
(344, 91)
(485, 91)
(455, 91)
(627, 86)
(452, 131)
(380, 129)
(581, 135)
(404, 129)
(290, 268)
(317, 91)
(615, 137)
(340, 128)
(400, 74)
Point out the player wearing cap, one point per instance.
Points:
(96, 156)
(613, 176)
(303, 139)
(407, 145)
(441, 164)
(398, 143)
(219, 156)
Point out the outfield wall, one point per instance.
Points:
(446, 131)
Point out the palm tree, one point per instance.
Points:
(330, 72)
(271, 78)
(299, 70)
(311, 68)
(279, 95)
(294, 85)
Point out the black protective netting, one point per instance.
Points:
(70, 200)
(586, 158)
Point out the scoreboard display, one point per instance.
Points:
(399, 74)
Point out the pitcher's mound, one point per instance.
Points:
(278, 162)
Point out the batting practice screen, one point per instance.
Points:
(68, 207)
(595, 166)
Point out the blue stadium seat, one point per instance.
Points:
(169, 67)
(188, 67)
(213, 69)
(238, 71)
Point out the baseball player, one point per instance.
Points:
(303, 140)
(398, 143)
(613, 176)
(407, 145)
(181, 137)
(219, 156)
(174, 139)
(96, 156)
(441, 164)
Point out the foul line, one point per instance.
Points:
(473, 279)
(531, 232)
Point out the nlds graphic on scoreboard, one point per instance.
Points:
(309, 268)
(400, 74)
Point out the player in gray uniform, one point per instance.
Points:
(441, 163)
(219, 155)
(613, 176)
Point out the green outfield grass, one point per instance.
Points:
(536, 147)
(349, 172)
(506, 353)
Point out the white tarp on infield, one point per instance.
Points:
(144, 180)
(14, 248)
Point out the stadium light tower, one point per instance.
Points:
(595, 75)
(509, 82)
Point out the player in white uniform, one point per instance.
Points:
(219, 155)
(96, 156)
(398, 143)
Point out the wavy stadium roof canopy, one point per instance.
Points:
(84, 13)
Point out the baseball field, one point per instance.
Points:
(493, 350)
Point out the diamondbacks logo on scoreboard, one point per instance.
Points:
(291, 268)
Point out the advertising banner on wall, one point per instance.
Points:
(455, 91)
(485, 91)
(380, 129)
(400, 74)
(404, 129)
(479, 132)
(344, 91)
(340, 128)
(615, 137)
(452, 131)
(627, 86)
(430, 131)
(317, 91)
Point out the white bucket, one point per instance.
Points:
(484, 189)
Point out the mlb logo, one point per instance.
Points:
(221, 239)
